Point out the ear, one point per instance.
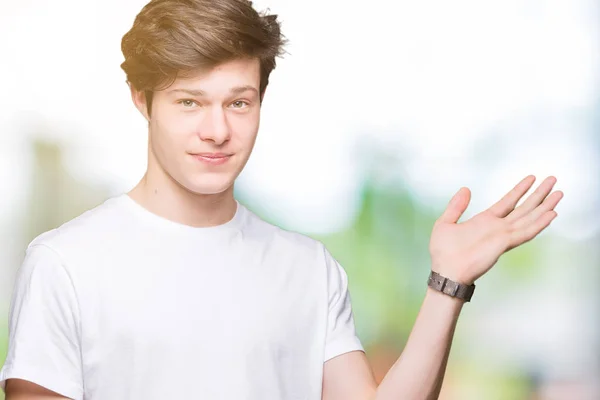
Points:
(139, 99)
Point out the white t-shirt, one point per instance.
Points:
(120, 303)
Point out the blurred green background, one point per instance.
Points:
(365, 135)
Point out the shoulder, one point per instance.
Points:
(77, 234)
(260, 230)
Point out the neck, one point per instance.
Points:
(168, 199)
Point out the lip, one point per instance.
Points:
(212, 158)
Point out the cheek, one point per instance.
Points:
(246, 129)
(170, 132)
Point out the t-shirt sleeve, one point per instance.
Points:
(341, 334)
(44, 336)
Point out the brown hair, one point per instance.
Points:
(172, 38)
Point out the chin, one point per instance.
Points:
(209, 186)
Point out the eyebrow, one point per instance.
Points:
(233, 90)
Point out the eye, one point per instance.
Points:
(187, 103)
(240, 104)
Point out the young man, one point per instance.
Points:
(176, 291)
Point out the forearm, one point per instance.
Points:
(419, 372)
(19, 389)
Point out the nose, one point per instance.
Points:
(215, 127)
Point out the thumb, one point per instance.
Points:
(457, 206)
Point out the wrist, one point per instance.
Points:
(440, 297)
(450, 287)
(454, 274)
(455, 277)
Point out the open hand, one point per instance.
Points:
(465, 251)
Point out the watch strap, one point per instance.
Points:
(449, 287)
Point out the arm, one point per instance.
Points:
(18, 389)
(417, 374)
(44, 336)
(462, 252)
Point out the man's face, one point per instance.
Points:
(203, 129)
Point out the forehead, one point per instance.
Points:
(221, 78)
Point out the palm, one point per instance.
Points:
(467, 250)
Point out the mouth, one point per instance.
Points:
(212, 158)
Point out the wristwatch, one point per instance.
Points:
(449, 287)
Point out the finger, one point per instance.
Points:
(548, 205)
(534, 200)
(457, 206)
(520, 236)
(508, 203)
